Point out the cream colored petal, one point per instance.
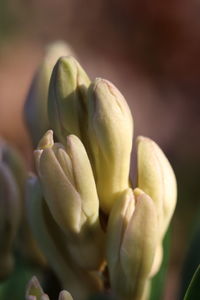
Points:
(46, 141)
(63, 200)
(111, 134)
(139, 244)
(83, 178)
(66, 164)
(157, 179)
(64, 295)
(119, 218)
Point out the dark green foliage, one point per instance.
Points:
(15, 286)
(193, 291)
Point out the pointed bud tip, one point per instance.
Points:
(64, 295)
(34, 282)
(34, 288)
(68, 60)
(111, 98)
(46, 141)
(142, 138)
(72, 140)
(30, 298)
(69, 65)
(44, 297)
(72, 137)
(101, 83)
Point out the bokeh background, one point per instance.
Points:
(151, 50)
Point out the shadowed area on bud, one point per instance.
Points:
(68, 99)
(35, 110)
(34, 291)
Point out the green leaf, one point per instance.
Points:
(193, 291)
(192, 258)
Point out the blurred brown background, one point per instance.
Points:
(149, 49)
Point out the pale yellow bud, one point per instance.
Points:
(64, 295)
(110, 134)
(36, 115)
(70, 192)
(131, 243)
(157, 179)
(72, 199)
(68, 99)
(54, 244)
(34, 290)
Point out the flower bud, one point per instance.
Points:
(72, 197)
(157, 179)
(111, 134)
(10, 212)
(34, 290)
(53, 243)
(68, 99)
(64, 295)
(36, 115)
(44, 297)
(131, 243)
(72, 200)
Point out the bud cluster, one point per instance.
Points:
(84, 213)
(34, 291)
